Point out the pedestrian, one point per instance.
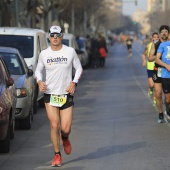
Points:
(58, 89)
(102, 51)
(163, 59)
(88, 49)
(150, 66)
(95, 51)
(157, 80)
(128, 44)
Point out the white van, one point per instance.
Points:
(30, 42)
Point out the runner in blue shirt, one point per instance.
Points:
(163, 59)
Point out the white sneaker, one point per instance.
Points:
(166, 117)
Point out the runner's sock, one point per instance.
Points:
(57, 153)
(64, 137)
(161, 115)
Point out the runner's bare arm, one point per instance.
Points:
(151, 56)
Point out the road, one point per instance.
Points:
(114, 126)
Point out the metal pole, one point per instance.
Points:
(16, 12)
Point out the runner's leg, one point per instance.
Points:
(158, 95)
(54, 118)
(66, 120)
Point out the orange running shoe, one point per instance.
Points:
(67, 146)
(57, 161)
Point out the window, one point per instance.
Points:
(23, 43)
(13, 63)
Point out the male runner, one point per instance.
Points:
(150, 66)
(129, 42)
(58, 89)
(158, 80)
(163, 59)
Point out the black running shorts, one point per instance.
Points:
(155, 78)
(68, 103)
(150, 73)
(129, 47)
(166, 85)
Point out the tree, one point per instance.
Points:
(5, 13)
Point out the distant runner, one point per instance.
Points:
(129, 42)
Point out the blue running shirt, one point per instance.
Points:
(164, 49)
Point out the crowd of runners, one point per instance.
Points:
(156, 58)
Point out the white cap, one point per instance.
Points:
(55, 29)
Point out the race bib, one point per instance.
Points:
(159, 73)
(129, 42)
(58, 100)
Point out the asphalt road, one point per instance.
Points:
(114, 128)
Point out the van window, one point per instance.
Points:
(23, 43)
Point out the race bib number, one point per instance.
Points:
(58, 100)
(129, 42)
(159, 73)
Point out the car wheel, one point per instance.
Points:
(5, 144)
(26, 123)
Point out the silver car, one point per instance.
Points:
(23, 80)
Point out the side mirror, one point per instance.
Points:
(10, 82)
(30, 72)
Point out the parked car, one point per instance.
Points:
(23, 79)
(7, 108)
(30, 42)
(69, 40)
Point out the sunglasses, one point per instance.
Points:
(56, 35)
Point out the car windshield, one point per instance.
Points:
(23, 43)
(13, 63)
(65, 42)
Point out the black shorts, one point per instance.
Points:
(129, 47)
(68, 103)
(150, 73)
(166, 85)
(155, 78)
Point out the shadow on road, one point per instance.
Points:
(110, 150)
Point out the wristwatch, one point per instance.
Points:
(74, 83)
